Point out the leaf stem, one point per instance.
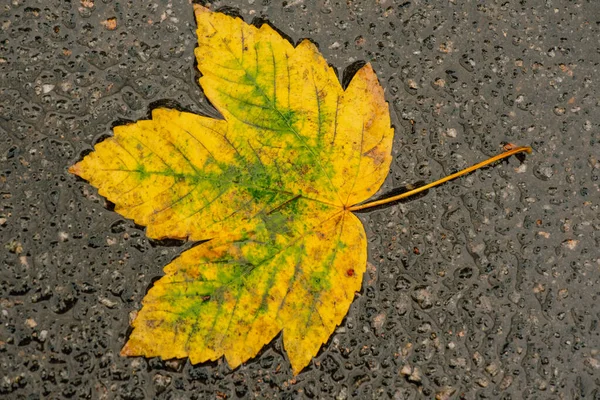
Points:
(465, 171)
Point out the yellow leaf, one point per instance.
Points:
(270, 185)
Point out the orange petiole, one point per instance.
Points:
(512, 151)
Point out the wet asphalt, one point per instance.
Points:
(484, 288)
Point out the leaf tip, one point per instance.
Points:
(75, 169)
(127, 351)
(233, 361)
(368, 72)
(307, 43)
(199, 9)
(296, 371)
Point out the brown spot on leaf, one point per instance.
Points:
(376, 155)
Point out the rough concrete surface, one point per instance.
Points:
(484, 288)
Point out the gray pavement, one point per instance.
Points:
(485, 288)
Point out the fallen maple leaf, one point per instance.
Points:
(271, 187)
